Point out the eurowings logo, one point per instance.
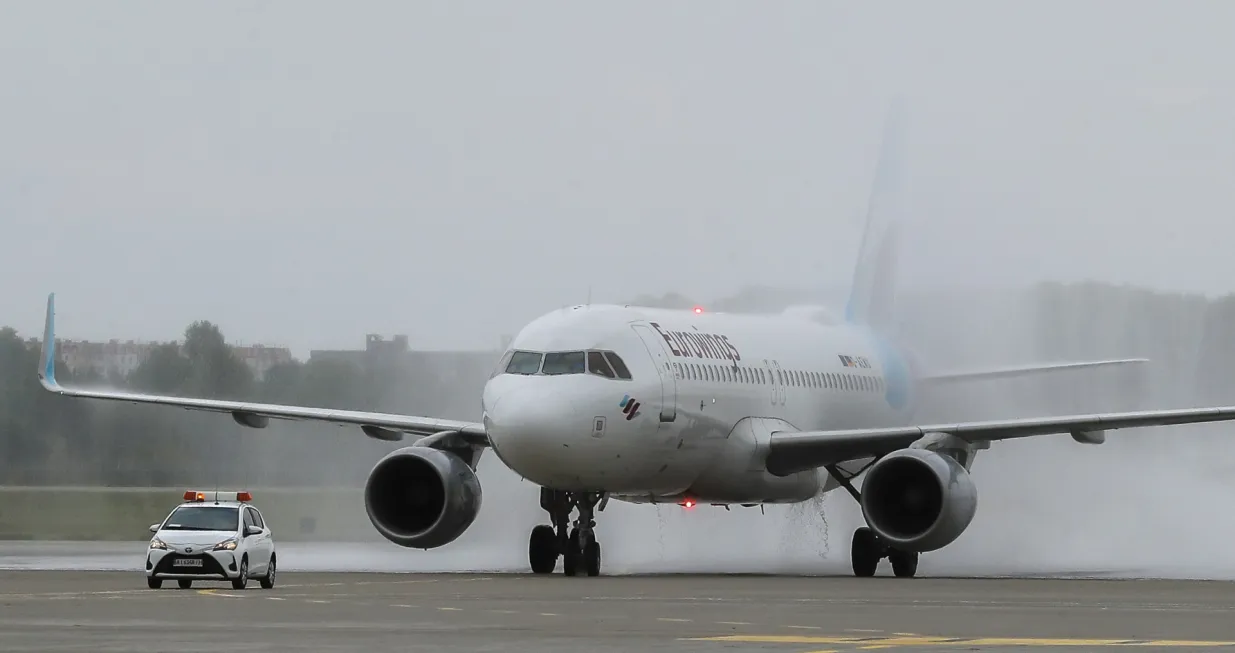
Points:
(629, 406)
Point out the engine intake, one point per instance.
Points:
(917, 500)
(422, 498)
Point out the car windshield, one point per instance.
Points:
(203, 518)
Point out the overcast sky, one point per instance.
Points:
(306, 172)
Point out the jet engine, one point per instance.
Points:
(917, 500)
(422, 498)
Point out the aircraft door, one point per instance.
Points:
(776, 376)
(668, 384)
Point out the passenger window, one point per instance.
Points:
(256, 518)
(524, 362)
(596, 365)
(247, 519)
(564, 362)
(618, 365)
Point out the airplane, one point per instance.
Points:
(650, 406)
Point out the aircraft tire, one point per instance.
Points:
(904, 564)
(542, 549)
(591, 558)
(864, 553)
(572, 556)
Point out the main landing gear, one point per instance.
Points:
(866, 548)
(578, 547)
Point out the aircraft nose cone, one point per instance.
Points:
(520, 416)
(537, 436)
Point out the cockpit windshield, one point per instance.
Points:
(564, 362)
(601, 363)
(524, 362)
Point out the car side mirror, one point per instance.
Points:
(154, 528)
(252, 530)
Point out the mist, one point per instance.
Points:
(303, 173)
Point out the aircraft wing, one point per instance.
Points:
(791, 452)
(1013, 371)
(382, 426)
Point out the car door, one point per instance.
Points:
(263, 543)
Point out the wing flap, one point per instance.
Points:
(1014, 371)
(383, 426)
(800, 451)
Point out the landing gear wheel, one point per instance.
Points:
(591, 558)
(574, 540)
(153, 583)
(542, 550)
(242, 581)
(904, 564)
(185, 583)
(571, 557)
(267, 581)
(864, 553)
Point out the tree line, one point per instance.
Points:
(46, 439)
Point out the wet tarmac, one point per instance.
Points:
(113, 611)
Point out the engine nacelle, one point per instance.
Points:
(917, 500)
(422, 498)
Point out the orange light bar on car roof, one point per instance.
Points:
(244, 497)
(194, 496)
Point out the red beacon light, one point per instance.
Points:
(688, 504)
(698, 310)
(196, 497)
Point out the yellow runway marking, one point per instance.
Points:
(669, 619)
(218, 593)
(804, 627)
(880, 642)
(451, 609)
(734, 623)
(549, 614)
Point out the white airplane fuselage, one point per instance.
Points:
(708, 390)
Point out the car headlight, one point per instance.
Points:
(156, 543)
(226, 545)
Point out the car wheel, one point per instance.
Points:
(267, 581)
(242, 581)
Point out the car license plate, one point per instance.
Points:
(187, 562)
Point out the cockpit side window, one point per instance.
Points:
(524, 362)
(596, 364)
(501, 365)
(565, 362)
(618, 364)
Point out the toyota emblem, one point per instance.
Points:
(188, 549)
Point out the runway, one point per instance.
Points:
(113, 611)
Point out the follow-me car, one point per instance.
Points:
(212, 536)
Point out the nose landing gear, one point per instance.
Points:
(577, 545)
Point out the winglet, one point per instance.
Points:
(47, 359)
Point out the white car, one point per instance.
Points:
(212, 536)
